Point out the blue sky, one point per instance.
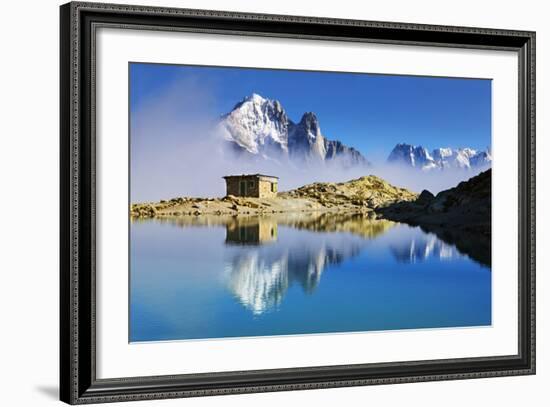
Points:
(369, 112)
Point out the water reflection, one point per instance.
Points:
(260, 268)
(251, 231)
(259, 278)
(257, 229)
(420, 248)
(227, 276)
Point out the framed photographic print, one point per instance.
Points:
(255, 203)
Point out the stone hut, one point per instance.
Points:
(252, 185)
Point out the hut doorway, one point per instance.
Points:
(242, 188)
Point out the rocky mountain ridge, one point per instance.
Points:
(260, 127)
(445, 158)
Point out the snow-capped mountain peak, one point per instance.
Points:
(413, 156)
(254, 97)
(261, 127)
(440, 158)
(442, 153)
(257, 124)
(310, 124)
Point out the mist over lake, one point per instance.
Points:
(192, 125)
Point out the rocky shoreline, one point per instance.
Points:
(466, 207)
(460, 216)
(364, 194)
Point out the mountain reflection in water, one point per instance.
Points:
(260, 278)
(259, 268)
(420, 248)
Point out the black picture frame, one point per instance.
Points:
(78, 382)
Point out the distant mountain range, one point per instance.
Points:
(259, 127)
(440, 158)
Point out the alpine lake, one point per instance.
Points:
(205, 277)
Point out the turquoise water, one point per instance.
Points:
(199, 277)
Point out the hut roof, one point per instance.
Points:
(250, 175)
